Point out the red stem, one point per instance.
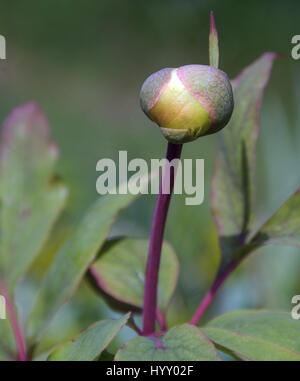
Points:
(156, 239)
(14, 324)
(209, 296)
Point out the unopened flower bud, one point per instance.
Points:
(188, 102)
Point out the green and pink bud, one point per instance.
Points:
(188, 102)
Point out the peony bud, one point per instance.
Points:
(188, 102)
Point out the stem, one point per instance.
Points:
(14, 324)
(209, 296)
(156, 239)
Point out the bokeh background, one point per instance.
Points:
(84, 63)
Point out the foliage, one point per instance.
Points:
(181, 343)
(121, 265)
(32, 199)
(90, 343)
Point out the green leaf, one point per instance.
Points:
(284, 227)
(90, 343)
(234, 178)
(120, 271)
(181, 343)
(8, 347)
(30, 199)
(213, 43)
(257, 335)
(73, 259)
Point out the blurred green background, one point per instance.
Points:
(84, 63)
